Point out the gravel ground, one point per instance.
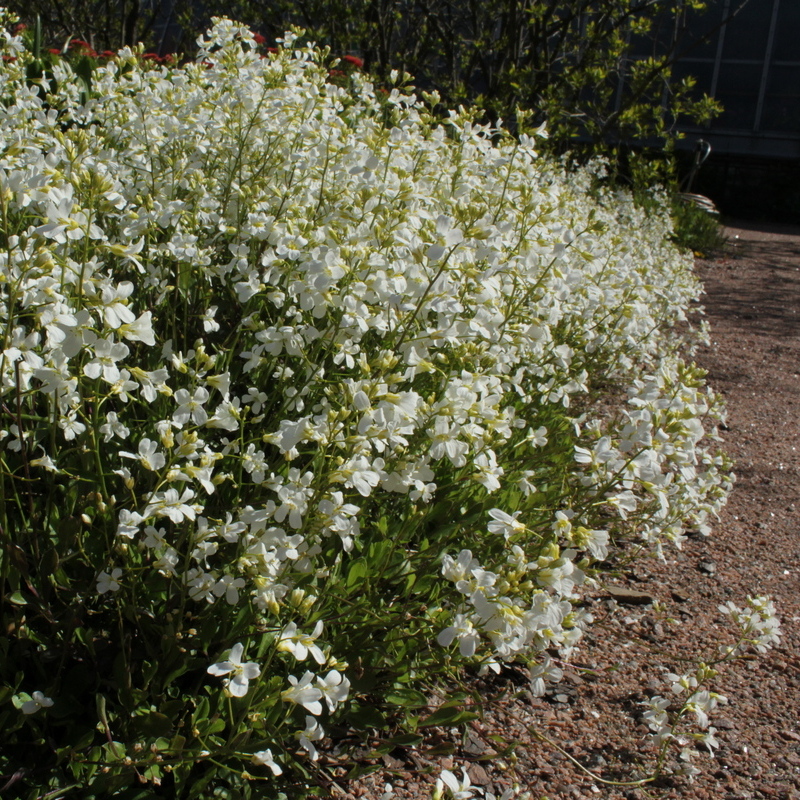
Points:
(752, 303)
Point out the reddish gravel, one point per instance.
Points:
(752, 303)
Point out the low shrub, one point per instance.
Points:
(696, 229)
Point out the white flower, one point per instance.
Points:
(190, 406)
(538, 438)
(505, 523)
(140, 330)
(457, 789)
(71, 426)
(240, 673)
(265, 758)
(304, 694)
(147, 456)
(128, 525)
(466, 633)
(46, 463)
(707, 738)
(335, 687)
(170, 504)
(113, 427)
(539, 673)
(299, 644)
(702, 703)
(209, 323)
(313, 732)
(109, 583)
(445, 442)
(229, 586)
(656, 715)
(37, 701)
(107, 353)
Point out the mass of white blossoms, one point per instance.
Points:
(249, 312)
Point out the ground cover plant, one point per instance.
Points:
(310, 401)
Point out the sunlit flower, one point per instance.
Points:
(239, 673)
(265, 758)
(335, 688)
(456, 789)
(304, 693)
(301, 645)
(148, 455)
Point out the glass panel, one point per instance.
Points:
(787, 34)
(746, 34)
(737, 90)
(782, 102)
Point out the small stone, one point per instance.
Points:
(573, 678)
(707, 567)
(629, 596)
(478, 775)
(474, 746)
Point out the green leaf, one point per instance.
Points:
(407, 698)
(379, 551)
(363, 717)
(447, 716)
(359, 570)
(153, 723)
(407, 740)
(443, 749)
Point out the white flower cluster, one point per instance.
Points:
(759, 626)
(234, 279)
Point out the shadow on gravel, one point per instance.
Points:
(768, 305)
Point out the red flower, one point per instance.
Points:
(9, 59)
(54, 50)
(354, 60)
(18, 28)
(259, 39)
(85, 48)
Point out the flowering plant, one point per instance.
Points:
(293, 370)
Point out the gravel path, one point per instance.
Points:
(752, 303)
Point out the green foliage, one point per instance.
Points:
(696, 229)
(104, 26)
(566, 63)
